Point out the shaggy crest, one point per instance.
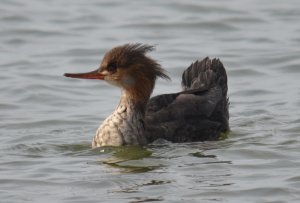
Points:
(137, 71)
(134, 54)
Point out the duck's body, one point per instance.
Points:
(198, 113)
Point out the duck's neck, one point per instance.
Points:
(125, 126)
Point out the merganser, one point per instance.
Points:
(198, 113)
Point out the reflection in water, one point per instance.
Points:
(129, 158)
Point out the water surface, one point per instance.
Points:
(47, 121)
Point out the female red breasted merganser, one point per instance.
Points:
(198, 113)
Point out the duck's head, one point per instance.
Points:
(129, 68)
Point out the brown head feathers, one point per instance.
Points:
(135, 72)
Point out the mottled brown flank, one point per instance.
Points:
(132, 60)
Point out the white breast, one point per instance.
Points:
(122, 127)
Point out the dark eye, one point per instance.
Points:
(112, 67)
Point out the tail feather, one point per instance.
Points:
(205, 74)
